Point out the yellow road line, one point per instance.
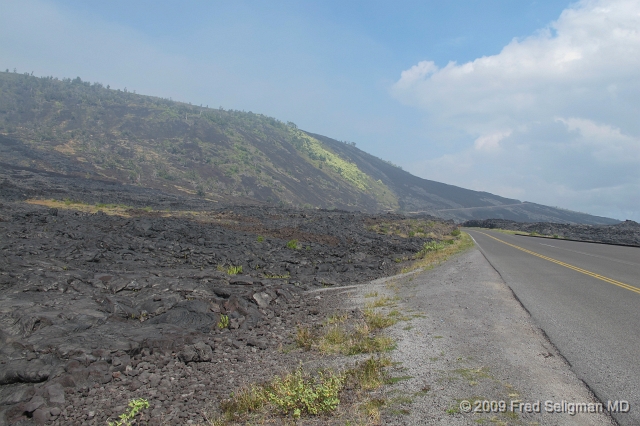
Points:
(566, 265)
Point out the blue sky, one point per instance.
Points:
(471, 93)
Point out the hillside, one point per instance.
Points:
(72, 127)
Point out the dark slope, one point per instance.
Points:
(76, 128)
(416, 194)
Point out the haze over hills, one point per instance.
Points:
(77, 128)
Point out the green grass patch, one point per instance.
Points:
(337, 338)
(435, 253)
(300, 394)
(292, 244)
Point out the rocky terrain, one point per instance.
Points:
(624, 233)
(103, 303)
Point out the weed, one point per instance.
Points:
(292, 244)
(381, 302)
(260, 238)
(292, 394)
(299, 394)
(336, 319)
(295, 393)
(335, 338)
(429, 247)
(223, 322)
(304, 337)
(127, 418)
(370, 344)
(434, 253)
(369, 374)
(234, 270)
(456, 233)
(372, 294)
(371, 409)
(377, 320)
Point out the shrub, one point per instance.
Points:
(455, 232)
(293, 244)
(260, 238)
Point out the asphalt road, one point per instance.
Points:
(586, 298)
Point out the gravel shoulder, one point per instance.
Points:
(470, 339)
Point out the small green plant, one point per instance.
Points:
(377, 320)
(297, 394)
(223, 322)
(292, 394)
(127, 418)
(260, 238)
(555, 236)
(234, 270)
(456, 232)
(292, 244)
(430, 247)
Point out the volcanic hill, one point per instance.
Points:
(75, 128)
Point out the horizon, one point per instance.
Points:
(535, 102)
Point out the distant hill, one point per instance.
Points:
(77, 128)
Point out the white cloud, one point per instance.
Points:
(491, 141)
(571, 95)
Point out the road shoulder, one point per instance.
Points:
(469, 339)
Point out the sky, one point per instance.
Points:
(534, 100)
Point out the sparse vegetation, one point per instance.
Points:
(234, 270)
(298, 394)
(128, 418)
(435, 253)
(223, 322)
(175, 161)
